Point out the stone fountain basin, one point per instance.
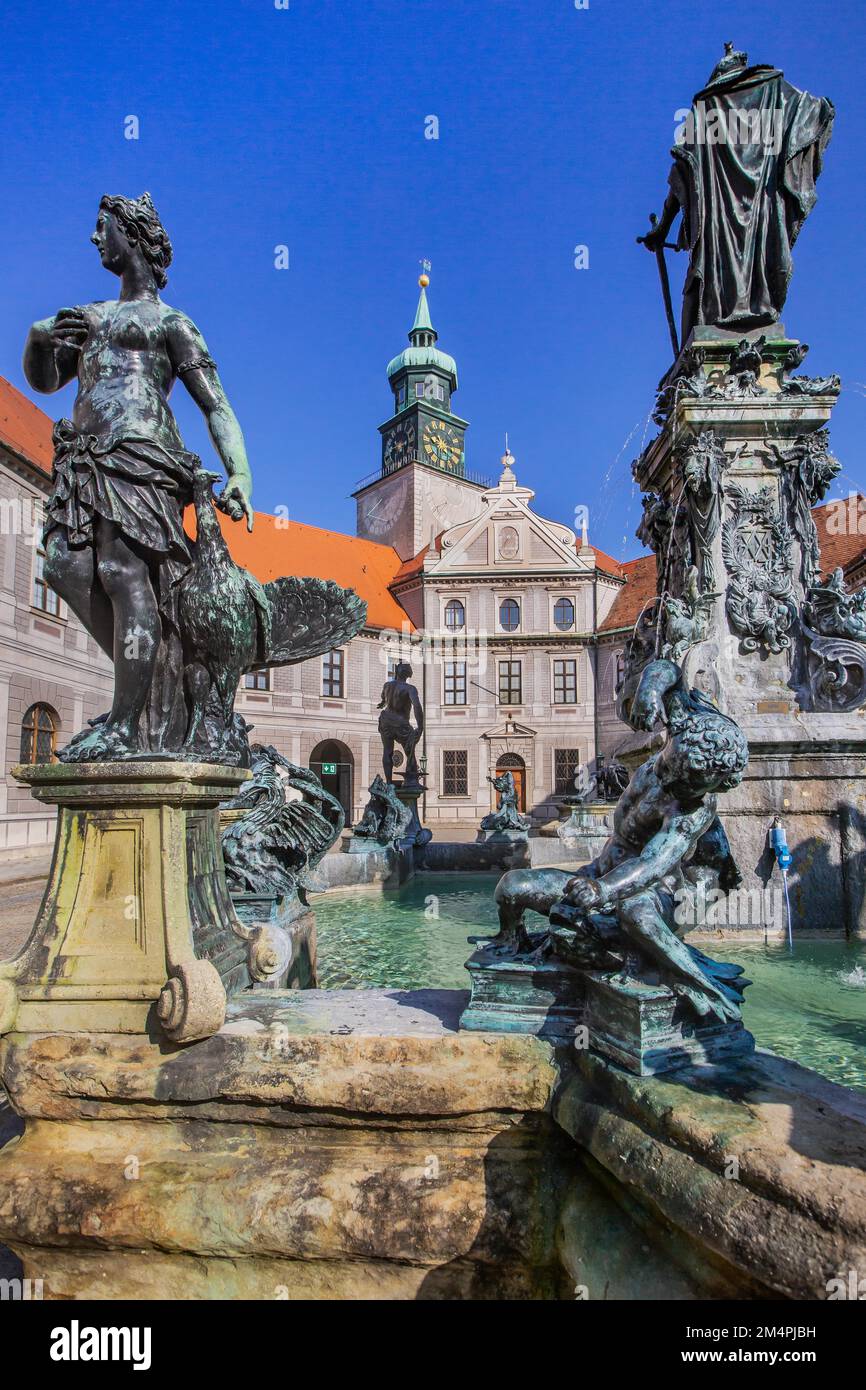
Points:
(355, 1144)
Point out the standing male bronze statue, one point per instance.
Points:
(399, 700)
(744, 180)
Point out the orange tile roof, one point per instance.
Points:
(638, 590)
(276, 547)
(841, 546)
(24, 427)
(607, 563)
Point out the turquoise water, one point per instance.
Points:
(810, 1006)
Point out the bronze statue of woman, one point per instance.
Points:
(115, 545)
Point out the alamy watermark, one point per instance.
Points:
(700, 906)
(711, 125)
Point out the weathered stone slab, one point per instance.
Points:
(753, 1174)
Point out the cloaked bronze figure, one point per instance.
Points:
(179, 619)
(743, 177)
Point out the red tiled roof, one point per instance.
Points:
(25, 428)
(842, 543)
(639, 590)
(607, 564)
(276, 547)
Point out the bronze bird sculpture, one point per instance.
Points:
(230, 622)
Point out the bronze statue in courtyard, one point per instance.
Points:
(399, 700)
(507, 816)
(179, 619)
(745, 168)
(618, 913)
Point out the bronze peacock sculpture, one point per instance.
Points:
(229, 623)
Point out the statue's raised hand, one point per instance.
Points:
(234, 499)
(70, 329)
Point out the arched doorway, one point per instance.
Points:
(333, 763)
(513, 763)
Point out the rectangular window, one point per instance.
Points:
(332, 675)
(565, 681)
(455, 772)
(259, 679)
(455, 682)
(43, 596)
(419, 391)
(510, 692)
(566, 762)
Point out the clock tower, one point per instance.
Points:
(422, 486)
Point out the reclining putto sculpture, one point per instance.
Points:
(179, 619)
(617, 915)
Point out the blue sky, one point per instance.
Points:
(306, 127)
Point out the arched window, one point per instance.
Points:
(620, 672)
(563, 614)
(455, 615)
(38, 735)
(509, 615)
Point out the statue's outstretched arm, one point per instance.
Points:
(197, 370)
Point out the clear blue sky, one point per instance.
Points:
(305, 126)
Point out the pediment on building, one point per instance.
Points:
(506, 537)
(510, 729)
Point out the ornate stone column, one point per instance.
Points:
(741, 458)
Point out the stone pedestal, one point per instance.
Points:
(585, 829)
(646, 1030)
(518, 996)
(136, 931)
(417, 834)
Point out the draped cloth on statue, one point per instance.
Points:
(744, 177)
(143, 488)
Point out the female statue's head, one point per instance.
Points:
(125, 223)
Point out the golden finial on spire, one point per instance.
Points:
(424, 277)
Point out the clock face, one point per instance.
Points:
(381, 511)
(399, 446)
(442, 446)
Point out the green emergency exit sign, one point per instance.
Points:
(329, 769)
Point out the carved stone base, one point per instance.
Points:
(519, 996)
(417, 834)
(647, 1030)
(643, 1028)
(285, 949)
(136, 929)
(502, 837)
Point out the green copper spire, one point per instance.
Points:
(422, 322)
(423, 352)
